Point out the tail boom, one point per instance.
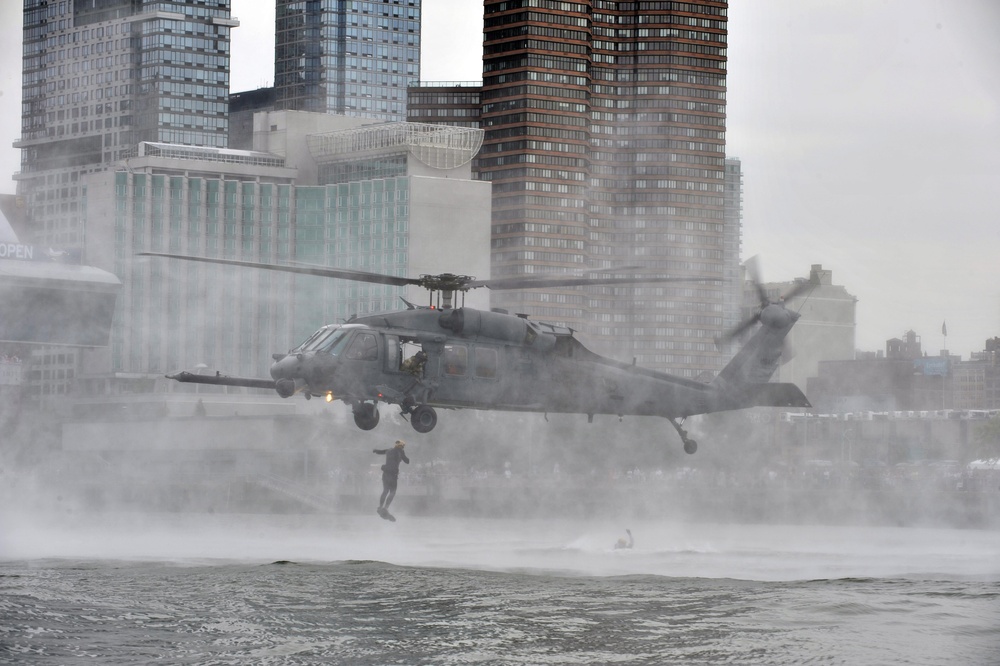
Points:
(779, 394)
(744, 381)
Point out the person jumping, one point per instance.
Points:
(390, 475)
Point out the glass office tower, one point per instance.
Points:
(99, 76)
(346, 57)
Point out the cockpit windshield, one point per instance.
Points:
(329, 339)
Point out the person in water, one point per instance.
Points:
(390, 473)
(622, 543)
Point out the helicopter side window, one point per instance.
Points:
(364, 347)
(455, 360)
(486, 362)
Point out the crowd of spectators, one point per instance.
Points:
(810, 475)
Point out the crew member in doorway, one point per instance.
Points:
(390, 475)
(622, 543)
(415, 364)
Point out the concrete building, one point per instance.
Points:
(825, 331)
(242, 108)
(46, 298)
(903, 379)
(346, 58)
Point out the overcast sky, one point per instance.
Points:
(869, 133)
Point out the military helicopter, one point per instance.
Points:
(439, 356)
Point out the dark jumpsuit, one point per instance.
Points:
(390, 473)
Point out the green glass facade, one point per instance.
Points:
(176, 314)
(357, 225)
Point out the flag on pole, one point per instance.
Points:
(944, 328)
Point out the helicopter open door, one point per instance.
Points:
(405, 355)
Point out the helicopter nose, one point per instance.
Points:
(288, 366)
(319, 371)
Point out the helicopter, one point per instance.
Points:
(439, 356)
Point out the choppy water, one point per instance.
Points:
(357, 590)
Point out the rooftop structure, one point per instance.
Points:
(436, 146)
(47, 297)
(204, 153)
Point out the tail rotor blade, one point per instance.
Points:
(800, 287)
(737, 330)
(787, 351)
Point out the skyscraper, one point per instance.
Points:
(346, 57)
(99, 76)
(605, 144)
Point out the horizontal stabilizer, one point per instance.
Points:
(221, 380)
(777, 395)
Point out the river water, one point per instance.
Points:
(351, 589)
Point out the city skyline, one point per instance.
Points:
(848, 118)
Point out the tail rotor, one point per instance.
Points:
(764, 302)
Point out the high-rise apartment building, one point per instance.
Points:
(453, 103)
(348, 58)
(605, 145)
(732, 242)
(99, 76)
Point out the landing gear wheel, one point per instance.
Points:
(424, 418)
(366, 415)
(690, 446)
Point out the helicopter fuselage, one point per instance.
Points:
(423, 359)
(454, 358)
(477, 360)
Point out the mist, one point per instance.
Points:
(242, 474)
(210, 453)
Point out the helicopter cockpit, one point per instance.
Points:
(331, 339)
(313, 363)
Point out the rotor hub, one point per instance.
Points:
(446, 282)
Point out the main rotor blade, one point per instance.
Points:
(528, 282)
(802, 286)
(318, 271)
(445, 281)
